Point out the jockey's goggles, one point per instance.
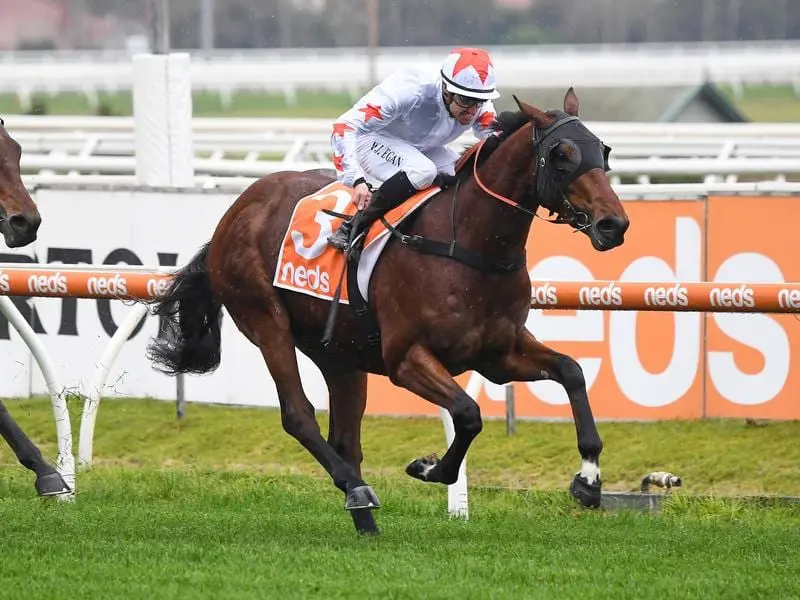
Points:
(466, 101)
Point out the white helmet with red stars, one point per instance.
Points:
(469, 72)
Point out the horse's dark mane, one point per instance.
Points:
(507, 122)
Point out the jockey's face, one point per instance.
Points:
(462, 108)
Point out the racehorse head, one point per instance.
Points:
(568, 173)
(19, 218)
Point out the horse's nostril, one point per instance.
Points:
(606, 225)
(612, 226)
(24, 224)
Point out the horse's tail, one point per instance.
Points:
(189, 340)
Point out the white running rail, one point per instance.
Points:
(626, 191)
(286, 71)
(59, 395)
(732, 168)
(289, 147)
(236, 147)
(268, 126)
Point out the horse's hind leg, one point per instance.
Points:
(421, 373)
(348, 399)
(266, 324)
(533, 361)
(48, 481)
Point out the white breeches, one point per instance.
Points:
(380, 157)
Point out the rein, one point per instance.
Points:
(491, 193)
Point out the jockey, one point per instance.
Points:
(395, 137)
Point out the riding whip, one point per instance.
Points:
(334, 310)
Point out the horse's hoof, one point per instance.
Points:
(364, 522)
(51, 484)
(586, 493)
(421, 468)
(362, 496)
(369, 532)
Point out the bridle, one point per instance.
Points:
(545, 183)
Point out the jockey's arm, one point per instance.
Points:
(374, 111)
(482, 127)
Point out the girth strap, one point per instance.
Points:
(455, 251)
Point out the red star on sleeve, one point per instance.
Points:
(371, 112)
(486, 119)
(340, 128)
(337, 162)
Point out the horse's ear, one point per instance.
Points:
(539, 117)
(571, 103)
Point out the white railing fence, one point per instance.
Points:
(287, 71)
(236, 147)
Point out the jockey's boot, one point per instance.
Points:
(341, 239)
(394, 191)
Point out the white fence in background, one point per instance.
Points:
(347, 69)
(251, 147)
(316, 146)
(642, 169)
(269, 126)
(626, 191)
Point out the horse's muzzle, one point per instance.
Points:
(609, 232)
(20, 229)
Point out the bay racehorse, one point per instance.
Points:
(438, 316)
(19, 222)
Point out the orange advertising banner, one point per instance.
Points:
(638, 365)
(632, 317)
(662, 365)
(753, 359)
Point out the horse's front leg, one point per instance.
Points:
(420, 372)
(531, 360)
